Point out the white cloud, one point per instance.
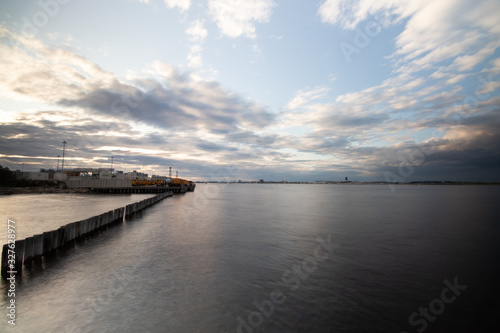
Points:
(238, 17)
(435, 31)
(183, 5)
(197, 35)
(196, 31)
(163, 96)
(350, 13)
(303, 98)
(37, 72)
(194, 57)
(450, 38)
(469, 61)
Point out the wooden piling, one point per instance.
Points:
(19, 256)
(29, 247)
(47, 242)
(5, 261)
(78, 229)
(38, 246)
(54, 240)
(61, 236)
(84, 227)
(69, 233)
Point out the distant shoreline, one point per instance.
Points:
(354, 183)
(56, 190)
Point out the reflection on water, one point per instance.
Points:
(231, 258)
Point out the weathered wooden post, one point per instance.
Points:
(55, 240)
(61, 236)
(5, 260)
(29, 247)
(47, 242)
(38, 246)
(19, 256)
(78, 229)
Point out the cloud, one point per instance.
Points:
(214, 147)
(238, 17)
(161, 117)
(158, 111)
(196, 34)
(183, 5)
(194, 57)
(303, 98)
(196, 31)
(44, 73)
(161, 98)
(434, 31)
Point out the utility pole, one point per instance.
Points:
(64, 149)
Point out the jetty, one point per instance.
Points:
(19, 253)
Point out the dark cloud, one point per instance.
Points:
(355, 121)
(251, 138)
(188, 105)
(213, 147)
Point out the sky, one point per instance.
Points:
(372, 90)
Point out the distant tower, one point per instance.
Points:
(64, 149)
(170, 173)
(177, 174)
(346, 179)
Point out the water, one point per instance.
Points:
(248, 258)
(36, 213)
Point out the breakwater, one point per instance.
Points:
(19, 253)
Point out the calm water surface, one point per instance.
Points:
(269, 258)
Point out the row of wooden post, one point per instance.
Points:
(138, 206)
(31, 248)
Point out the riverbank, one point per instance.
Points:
(40, 190)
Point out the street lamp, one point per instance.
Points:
(64, 149)
(58, 162)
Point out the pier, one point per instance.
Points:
(25, 251)
(179, 188)
(132, 189)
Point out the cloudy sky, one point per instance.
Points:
(395, 90)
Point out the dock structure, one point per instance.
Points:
(36, 247)
(174, 188)
(132, 189)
